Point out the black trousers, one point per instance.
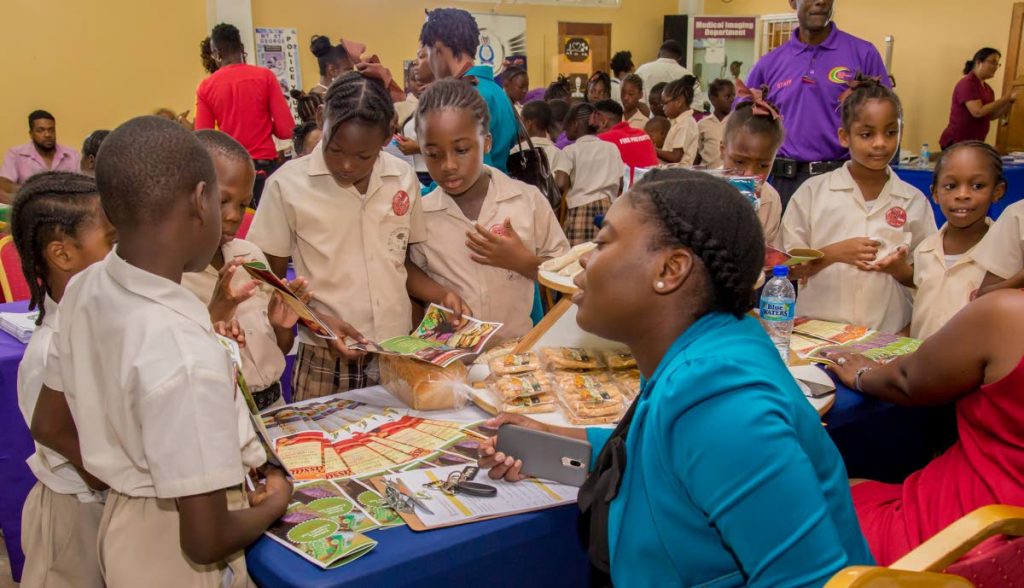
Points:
(787, 186)
(264, 168)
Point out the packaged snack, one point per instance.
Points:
(517, 386)
(423, 386)
(590, 395)
(618, 359)
(515, 363)
(531, 404)
(628, 380)
(560, 264)
(498, 351)
(570, 358)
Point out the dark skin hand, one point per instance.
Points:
(980, 345)
(54, 427)
(210, 532)
(628, 293)
(505, 251)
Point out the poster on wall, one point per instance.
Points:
(723, 47)
(576, 62)
(502, 37)
(278, 51)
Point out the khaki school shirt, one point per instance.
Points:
(638, 121)
(829, 208)
(494, 294)
(262, 360)
(1002, 250)
(711, 132)
(941, 291)
(597, 169)
(151, 389)
(684, 134)
(351, 247)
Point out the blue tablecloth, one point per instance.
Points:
(877, 440)
(922, 180)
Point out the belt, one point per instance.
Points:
(790, 168)
(267, 396)
(263, 162)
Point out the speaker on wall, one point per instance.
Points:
(677, 29)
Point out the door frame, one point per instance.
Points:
(1010, 65)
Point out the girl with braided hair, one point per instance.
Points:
(863, 217)
(346, 214)
(486, 232)
(596, 174)
(720, 452)
(59, 229)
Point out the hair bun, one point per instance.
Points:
(320, 46)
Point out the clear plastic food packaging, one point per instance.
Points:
(423, 386)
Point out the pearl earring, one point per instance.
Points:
(660, 285)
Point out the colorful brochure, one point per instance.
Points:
(320, 537)
(437, 340)
(307, 317)
(814, 339)
(774, 257)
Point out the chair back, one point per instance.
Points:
(13, 285)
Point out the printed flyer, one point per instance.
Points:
(437, 340)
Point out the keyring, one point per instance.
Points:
(841, 361)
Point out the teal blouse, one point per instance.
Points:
(503, 118)
(730, 478)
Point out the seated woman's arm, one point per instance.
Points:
(983, 339)
(743, 466)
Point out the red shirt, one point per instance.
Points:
(247, 103)
(635, 146)
(963, 126)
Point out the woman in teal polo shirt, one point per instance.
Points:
(720, 474)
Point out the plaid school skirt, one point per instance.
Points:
(579, 222)
(321, 372)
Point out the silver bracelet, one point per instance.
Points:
(856, 378)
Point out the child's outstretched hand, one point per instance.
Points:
(344, 331)
(280, 314)
(859, 252)
(406, 145)
(895, 264)
(226, 298)
(230, 330)
(502, 248)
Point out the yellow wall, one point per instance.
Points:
(933, 40)
(96, 67)
(391, 28)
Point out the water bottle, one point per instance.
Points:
(778, 305)
(926, 156)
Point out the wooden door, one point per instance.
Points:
(596, 38)
(1010, 136)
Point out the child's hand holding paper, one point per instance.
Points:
(226, 298)
(282, 315)
(859, 252)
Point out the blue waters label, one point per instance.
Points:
(777, 309)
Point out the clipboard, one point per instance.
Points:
(416, 524)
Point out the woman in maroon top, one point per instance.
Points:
(974, 102)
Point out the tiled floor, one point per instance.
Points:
(5, 567)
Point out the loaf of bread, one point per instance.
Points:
(424, 386)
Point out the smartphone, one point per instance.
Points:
(546, 455)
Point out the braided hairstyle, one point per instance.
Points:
(356, 97)
(48, 207)
(683, 87)
(708, 216)
(993, 157)
(867, 89)
(453, 94)
(583, 111)
(306, 104)
(743, 118)
(453, 27)
(299, 134)
(327, 54)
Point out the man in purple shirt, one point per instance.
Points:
(41, 154)
(805, 78)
